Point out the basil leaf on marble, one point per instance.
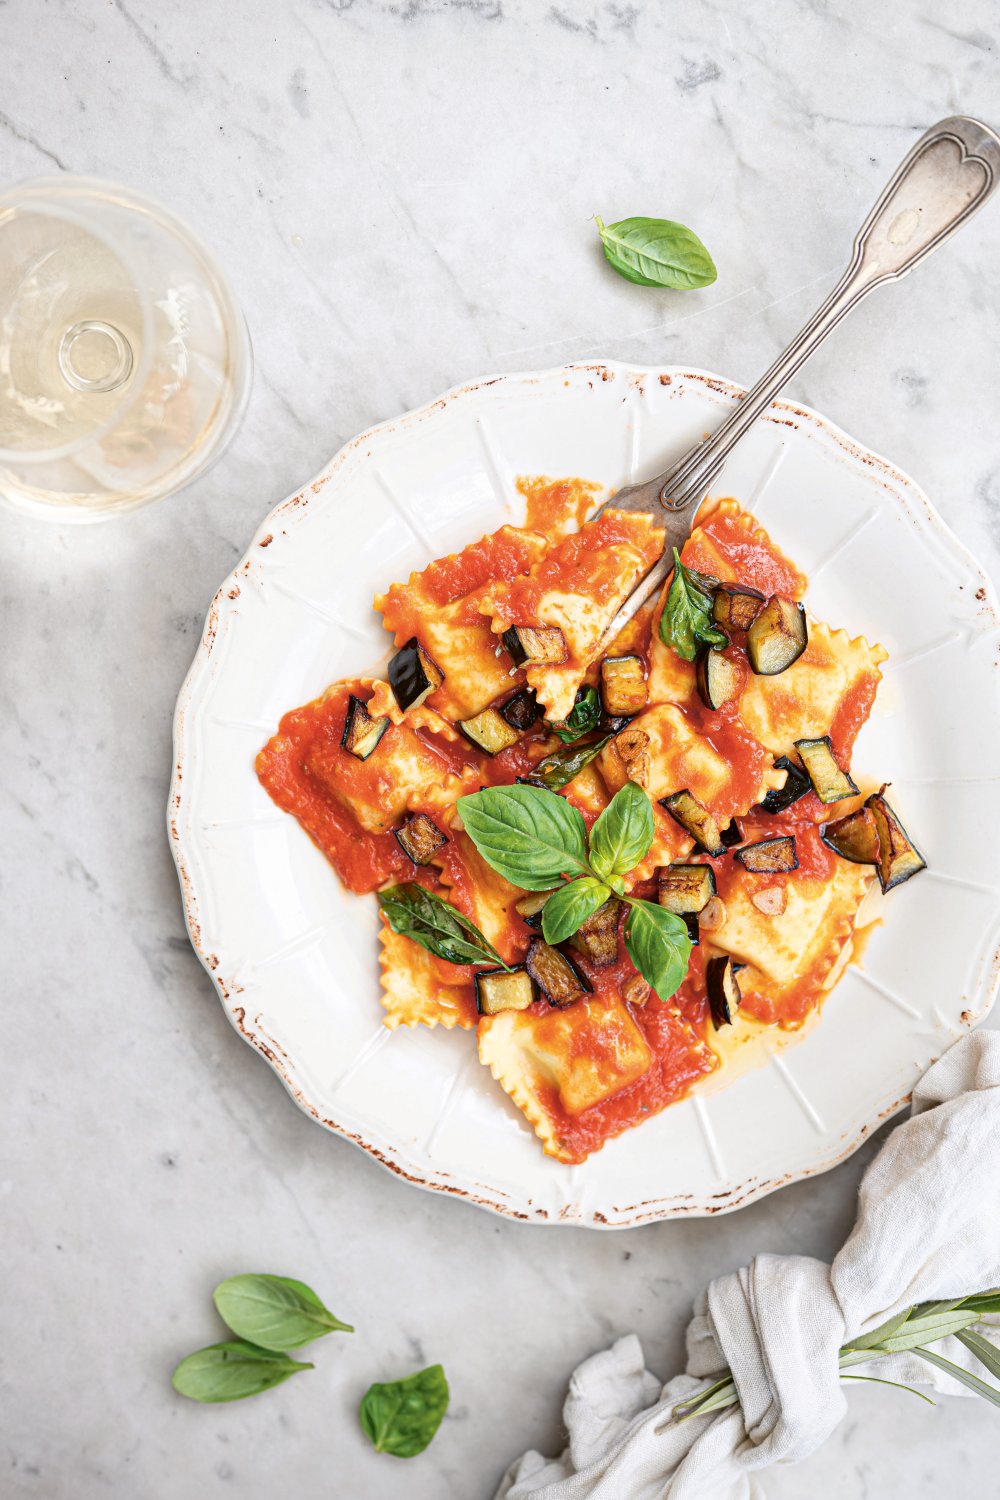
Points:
(584, 716)
(658, 944)
(402, 1416)
(686, 621)
(231, 1371)
(656, 252)
(623, 833)
(436, 925)
(527, 834)
(274, 1312)
(570, 906)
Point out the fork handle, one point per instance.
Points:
(949, 174)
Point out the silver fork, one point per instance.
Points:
(948, 175)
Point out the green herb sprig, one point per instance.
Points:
(686, 621)
(539, 841)
(436, 925)
(584, 716)
(911, 1330)
(656, 252)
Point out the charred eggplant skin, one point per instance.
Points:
(830, 783)
(796, 785)
(690, 920)
(854, 838)
(685, 889)
(777, 637)
(723, 992)
(736, 606)
(361, 733)
(899, 858)
(769, 856)
(696, 820)
(522, 710)
(413, 676)
(532, 645)
(732, 834)
(504, 989)
(717, 678)
(420, 838)
(556, 975)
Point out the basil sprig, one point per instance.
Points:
(585, 716)
(402, 1416)
(558, 769)
(657, 252)
(274, 1312)
(502, 823)
(436, 925)
(686, 621)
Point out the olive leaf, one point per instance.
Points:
(623, 833)
(274, 1312)
(402, 1416)
(658, 944)
(656, 252)
(527, 834)
(686, 621)
(570, 906)
(436, 925)
(231, 1371)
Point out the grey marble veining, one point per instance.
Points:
(402, 191)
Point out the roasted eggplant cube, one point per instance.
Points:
(489, 731)
(777, 637)
(898, 856)
(796, 785)
(361, 732)
(556, 975)
(695, 820)
(830, 783)
(529, 908)
(685, 889)
(723, 992)
(535, 645)
(597, 938)
(719, 679)
(732, 834)
(503, 989)
(854, 837)
(769, 856)
(522, 710)
(420, 838)
(413, 676)
(736, 608)
(623, 685)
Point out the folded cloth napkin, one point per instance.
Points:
(928, 1229)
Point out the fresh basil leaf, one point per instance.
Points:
(657, 942)
(570, 906)
(402, 1416)
(231, 1371)
(274, 1312)
(657, 252)
(623, 833)
(558, 769)
(686, 621)
(585, 716)
(436, 925)
(527, 834)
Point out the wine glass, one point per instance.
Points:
(125, 363)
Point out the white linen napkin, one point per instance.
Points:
(928, 1229)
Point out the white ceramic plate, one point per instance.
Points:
(294, 956)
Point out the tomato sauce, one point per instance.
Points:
(557, 505)
(751, 559)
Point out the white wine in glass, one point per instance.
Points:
(125, 362)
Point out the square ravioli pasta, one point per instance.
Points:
(586, 1070)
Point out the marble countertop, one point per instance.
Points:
(402, 191)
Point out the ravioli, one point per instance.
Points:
(421, 990)
(577, 587)
(829, 690)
